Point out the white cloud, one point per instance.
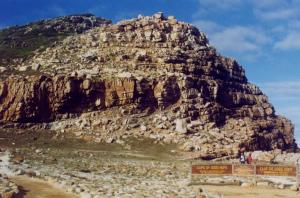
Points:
(239, 39)
(282, 90)
(221, 4)
(246, 42)
(267, 4)
(290, 26)
(279, 28)
(291, 41)
(276, 26)
(276, 9)
(295, 24)
(295, 2)
(277, 14)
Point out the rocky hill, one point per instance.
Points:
(150, 77)
(19, 42)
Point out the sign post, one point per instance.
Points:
(297, 173)
(273, 170)
(210, 169)
(243, 170)
(255, 179)
(191, 173)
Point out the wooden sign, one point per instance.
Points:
(276, 170)
(243, 169)
(223, 169)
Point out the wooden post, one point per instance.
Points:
(297, 173)
(191, 172)
(255, 179)
(232, 173)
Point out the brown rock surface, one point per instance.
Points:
(8, 195)
(148, 66)
(43, 99)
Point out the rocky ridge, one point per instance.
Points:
(150, 77)
(18, 43)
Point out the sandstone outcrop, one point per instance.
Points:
(158, 71)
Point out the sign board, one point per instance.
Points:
(243, 169)
(270, 170)
(214, 169)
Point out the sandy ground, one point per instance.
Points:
(251, 192)
(34, 188)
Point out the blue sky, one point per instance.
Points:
(263, 35)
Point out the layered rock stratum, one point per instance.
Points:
(151, 77)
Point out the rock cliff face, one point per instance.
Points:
(150, 76)
(43, 99)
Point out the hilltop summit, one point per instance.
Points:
(18, 43)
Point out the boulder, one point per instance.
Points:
(23, 68)
(181, 126)
(159, 15)
(2, 69)
(36, 67)
(247, 185)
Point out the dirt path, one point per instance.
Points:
(34, 188)
(251, 192)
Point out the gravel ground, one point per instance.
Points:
(143, 169)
